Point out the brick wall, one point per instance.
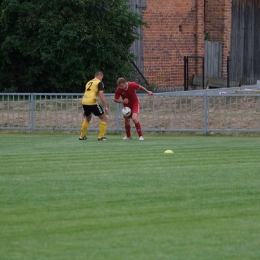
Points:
(169, 37)
(214, 19)
(218, 15)
(176, 29)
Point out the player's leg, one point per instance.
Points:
(137, 126)
(127, 128)
(87, 118)
(102, 127)
(135, 112)
(98, 111)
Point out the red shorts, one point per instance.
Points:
(135, 108)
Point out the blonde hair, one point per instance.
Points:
(121, 80)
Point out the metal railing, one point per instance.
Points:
(164, 112)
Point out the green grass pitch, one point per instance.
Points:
(64, 199)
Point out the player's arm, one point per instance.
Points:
(103, 100)
(117, 99)
(102, 96)
(150, 93)
(122, 101)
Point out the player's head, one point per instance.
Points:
(121, 82)
(99, 75)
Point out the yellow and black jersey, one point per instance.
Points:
(91, 92)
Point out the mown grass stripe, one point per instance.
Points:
(61, 198)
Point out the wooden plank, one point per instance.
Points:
(197, 80)
(257, 39)
(221, 82)
(257, 26)
(245, 41)
(216, 82)
(137, 47)
(213, 59)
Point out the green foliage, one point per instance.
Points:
(206, 36)
(56, 46)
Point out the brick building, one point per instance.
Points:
(178, 28)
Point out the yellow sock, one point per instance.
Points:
(84, 128)
(102, 129)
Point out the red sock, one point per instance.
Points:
(128, 131)
(138, 129)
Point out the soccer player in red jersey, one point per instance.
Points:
(127, 92)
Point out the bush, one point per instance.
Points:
(58, 45)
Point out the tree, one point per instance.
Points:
(56, 46)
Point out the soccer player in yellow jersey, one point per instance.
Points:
(94, 89)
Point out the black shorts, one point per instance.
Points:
(97, 110)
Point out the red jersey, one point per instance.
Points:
(129, 93)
